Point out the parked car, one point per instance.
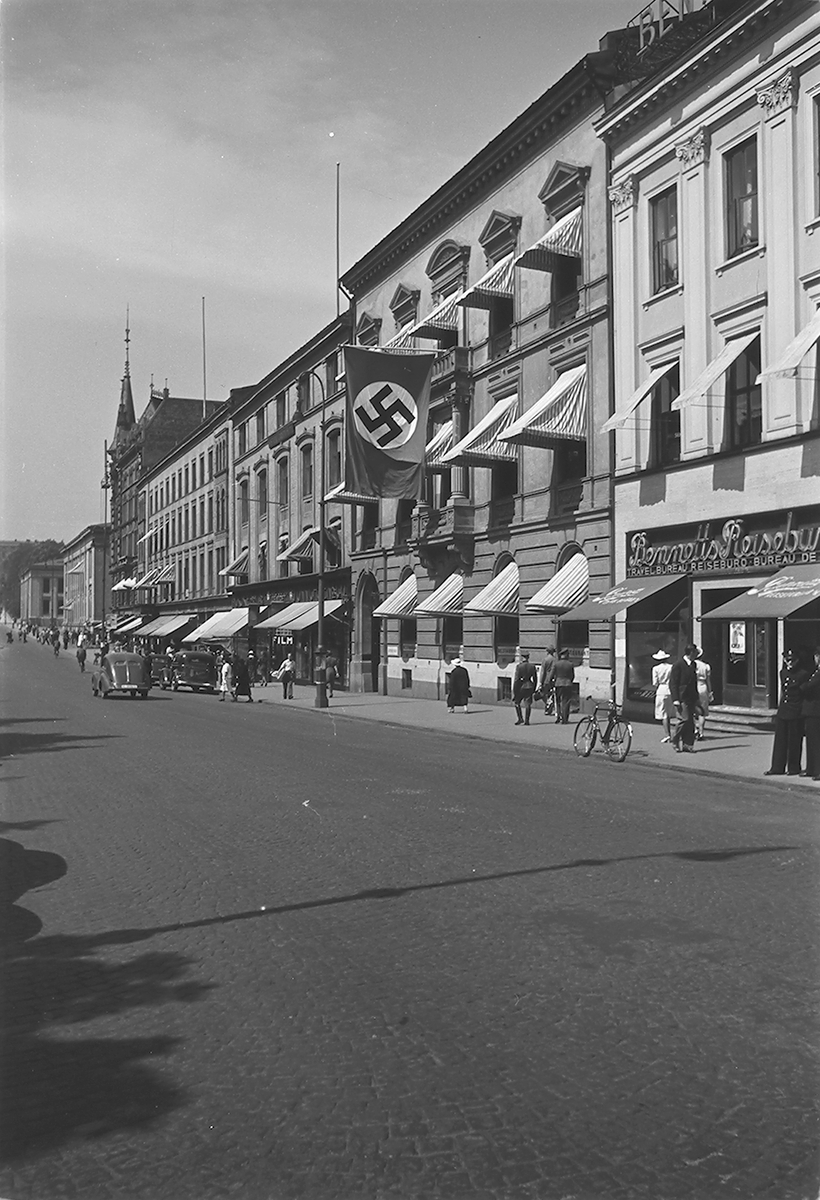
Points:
(124, 672)
(160, 666)
(194, 669)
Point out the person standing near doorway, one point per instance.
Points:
(663, 700)
(787, 747)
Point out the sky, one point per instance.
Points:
(156, 152)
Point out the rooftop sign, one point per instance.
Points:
(656, 20)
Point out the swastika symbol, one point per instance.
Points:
(385, 414)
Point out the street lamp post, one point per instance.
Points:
(321, 654)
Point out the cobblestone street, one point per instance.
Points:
(261, 952)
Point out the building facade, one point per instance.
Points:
(86, 577)
(41, 594)
(715, 211)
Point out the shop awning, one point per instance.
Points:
(311, 616)
(402, 602)
(239, 566)
(443, 318)
(445, 601)
(482, 447)
(780, 596)
(786, 366)
(496, 284)
(129, 626)
(717, 367)
(399, 341)
(167, 575)
(76, 571)
(146, 536)
(221, 625)
(163, 626)
(559, 416)
(340, 495)
(289, 613)
(623, 595)
(148, 580)
(302, 548)
(440, 443)
(500, 596)
(621, 415)
(563, 240)
(124, 585)
(567, 588)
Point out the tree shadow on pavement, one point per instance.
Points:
(57, 1085)
(13, 744)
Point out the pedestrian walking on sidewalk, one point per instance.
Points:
(525, 681)
(663, 700)
(811, 717)
(241, 679)
(81, 656)
(563, 678)
(683, 687)
(545, 686)
(705, 697)
(286, 675)
(331, 674)
(458, 695)
(225, 678)
(787, 748)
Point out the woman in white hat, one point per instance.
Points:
(663, 699)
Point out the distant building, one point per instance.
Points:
(86, 571)
(41, 593)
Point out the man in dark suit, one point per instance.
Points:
(683, 689)
(524, 684)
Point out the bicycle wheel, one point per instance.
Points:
(619, 740)
(586, 733)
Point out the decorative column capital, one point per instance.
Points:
(779, 95)
(694, 150)
(623, 195)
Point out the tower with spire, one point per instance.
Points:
(126, 416)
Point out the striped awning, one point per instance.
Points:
(621, 415)
(239, 566)
(124, 585)
(438, 446)
(148, 580)
(443, 318)
(623, 595)
(162, 626)
(496, 284)
(717, 367)
(340, 495)
(402, 602)
(167, 574)
(482, 446)
(129, 626)
(786, 366)
(302, 548)
(311, 616)
(147, 535)
(567, 588)
(559, 416)
(563, 240)
(500, 596)
(399, 341)
(445, 601)
(221, 625)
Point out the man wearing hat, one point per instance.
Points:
(562, 679)
(458, 694)
(663, 698)
(525, 680)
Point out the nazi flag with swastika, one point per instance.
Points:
(388, 396)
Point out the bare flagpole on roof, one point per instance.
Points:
(204, 374)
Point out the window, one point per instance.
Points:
(281, 409)
(282, 482)
(334, 457)
(210, 464)
(664, 218)
(817, 154)
(500, 326)
(369, 518)
(260, 426)
(193, 520)
(505, 639)
(187, 482)
(331, 373)
(307, 471)
(744, 407)
(404, 520)
(244, 503)
(242, 439)
(202, 528)
(193, 475)
(211, 513)
(368, 330)
(262, 495)
(303, 390)
(665, 448)
(741, 198)
(569, 463)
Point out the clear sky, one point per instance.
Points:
(159, 151)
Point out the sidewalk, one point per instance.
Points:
(738, 755)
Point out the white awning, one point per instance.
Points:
(148, 580)
(129, 626)
(239, 566)
(221, 625)
(496, 284)
(163, 626)
(402, 602)
(300, 615)
(440, 443)
(445, 601)
(302, 548)
(786, 366)
(146, 536)
(167, 574)
(76, 571)
(717, 367)
(340, 495)
(567, 588)
(621, 415)
(500, 596)
(443, 318)
(482, 447)
(559, 416)
(399, 341)
(124, 585)
(563, 240)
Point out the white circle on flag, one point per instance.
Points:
(385, 414)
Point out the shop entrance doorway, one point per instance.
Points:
(742, 655)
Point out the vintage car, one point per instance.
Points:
(160, 667)
(124, 672)
(194, 669)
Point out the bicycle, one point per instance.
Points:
(616, 737)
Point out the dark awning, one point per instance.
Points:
(623, 595)
(783, 594)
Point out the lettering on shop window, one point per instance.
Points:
(737, 545)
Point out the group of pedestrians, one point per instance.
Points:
(237, 674)
(684, 699)
(552, 684)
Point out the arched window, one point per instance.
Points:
(333, 449)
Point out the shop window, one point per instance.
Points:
(408, 636)
(506, 636)
(740, 175)
(665, 448)
(664, 222)
(744, 402)
(452, 635)
(334, 457)
(661, 622)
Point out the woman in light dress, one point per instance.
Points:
(663, 699)
(704, 674)
(226, 679)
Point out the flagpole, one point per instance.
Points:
(204, 376)
(321, 671)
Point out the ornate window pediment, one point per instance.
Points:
(447, 268)
(499, 235)
(405, 305)
(564, 188)
(368, 329)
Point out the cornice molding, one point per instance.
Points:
(623, 195)
(778, 96)
(694, 150)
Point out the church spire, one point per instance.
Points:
(126, 417)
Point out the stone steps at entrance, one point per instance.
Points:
(725, 718)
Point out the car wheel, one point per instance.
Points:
(174, 687)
